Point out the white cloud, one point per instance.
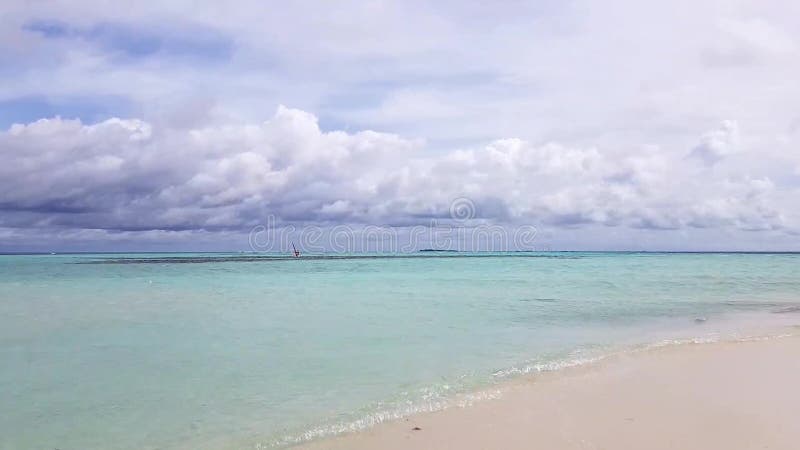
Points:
(718, 143)
(125, 175)
(759, 33)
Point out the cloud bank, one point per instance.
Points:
(131, 176)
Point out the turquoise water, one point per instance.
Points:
(230, 353)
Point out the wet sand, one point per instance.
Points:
(742, 395)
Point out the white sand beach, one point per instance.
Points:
(732, 396)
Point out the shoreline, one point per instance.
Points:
(656, 396)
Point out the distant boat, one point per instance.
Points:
(295, 251)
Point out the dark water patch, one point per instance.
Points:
(749, 304)
(773, 307)
(219, 259)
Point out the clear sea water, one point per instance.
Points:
(226, 353)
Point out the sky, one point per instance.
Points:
(604, 125)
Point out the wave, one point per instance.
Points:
(463, 394)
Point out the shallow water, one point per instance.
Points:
(224, 351)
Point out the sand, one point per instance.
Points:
(729, 396)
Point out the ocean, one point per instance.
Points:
(251, 351)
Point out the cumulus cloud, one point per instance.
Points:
(119, 174)
(127, 175)
(718, 143)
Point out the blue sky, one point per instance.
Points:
(606, 125)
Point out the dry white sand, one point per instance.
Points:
(726, 396)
